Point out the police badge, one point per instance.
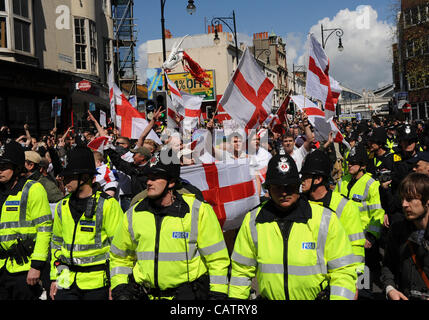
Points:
(283, 165)
(154, 160)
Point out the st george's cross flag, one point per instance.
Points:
(129, 120)
(248, 97)
(228, 187)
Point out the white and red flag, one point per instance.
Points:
(317, 118)
(248, 97)
(319, 84)
(229, 188)
(98, 144)
(129, 120)
(281, 113)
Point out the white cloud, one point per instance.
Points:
(366, 59)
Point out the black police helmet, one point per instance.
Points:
(358, 155)
(378, 136)
(80, 161)
(13, 154)
(282, 170)
(317, 163)
(157, 167)
(407, 133)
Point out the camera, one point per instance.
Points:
(384, 175)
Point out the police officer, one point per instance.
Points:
(391, 142)
(382, 160)
(84, 225)
(169, 245)
(360, 187)
(285, 243)
(315, 175)
(25, 228)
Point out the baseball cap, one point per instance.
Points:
(143, 151)
(33, 156)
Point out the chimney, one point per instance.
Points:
(168, 34)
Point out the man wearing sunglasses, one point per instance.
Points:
(285, 243)
(25, 228)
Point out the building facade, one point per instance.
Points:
(411, 56)
(47, 48)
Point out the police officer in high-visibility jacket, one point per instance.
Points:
(169, 245)
(25, 228)
(296, 249)
(360, 187)
(84, 225)
(315, 175)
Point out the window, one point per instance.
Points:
(80, 43)
(3, 32)
(412, 83)
(423, 13)
(22, 35)
(2, 5)
(20, 8)
(415, 15)
(107, 57)
(93, 45)
(407, 17)
(410, 48)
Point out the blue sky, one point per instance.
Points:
(291, 20)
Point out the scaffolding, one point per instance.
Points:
(125, 39)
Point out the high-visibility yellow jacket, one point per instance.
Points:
(348, 213)
(293, 258)
(365, 192)
(84, 244)
(26, 215)
(163, 252)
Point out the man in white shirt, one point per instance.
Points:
(299, 154)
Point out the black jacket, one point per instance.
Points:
(398, 268)
(138, 178)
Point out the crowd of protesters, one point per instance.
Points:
(385, 149)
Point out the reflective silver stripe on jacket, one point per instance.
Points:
(121, 253)
(240, 281)
(15, 236)
(366, 207)
(341, 262)
(356, 236)
(164, 256)
(213, 248)
(25, 224)
(218, 279)
(193, 237)
(129, 214)
(86, 260)
(120, 270)
(243, 260)
(367, 186)
(24, 200)
(253, 230)
(341, 207)
(322, 237)
(342, 292)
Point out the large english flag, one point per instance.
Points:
(228, 187)
(248, 97)
(129, 120)
(319, 84)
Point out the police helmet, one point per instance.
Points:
(317, 163)
(282, 170)
(80, 161)
(358, 155)
(407, 133)
(378, 136)
(13, 153)
(157, 167)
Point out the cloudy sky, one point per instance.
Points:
(368, 31)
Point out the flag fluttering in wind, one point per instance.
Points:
(248, 97)
(129, 120)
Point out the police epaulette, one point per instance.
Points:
(105, 195)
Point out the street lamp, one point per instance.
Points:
(217, 21)
(338, 32)
(190, 8)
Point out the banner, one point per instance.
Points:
(186, 83)
(154, 80)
